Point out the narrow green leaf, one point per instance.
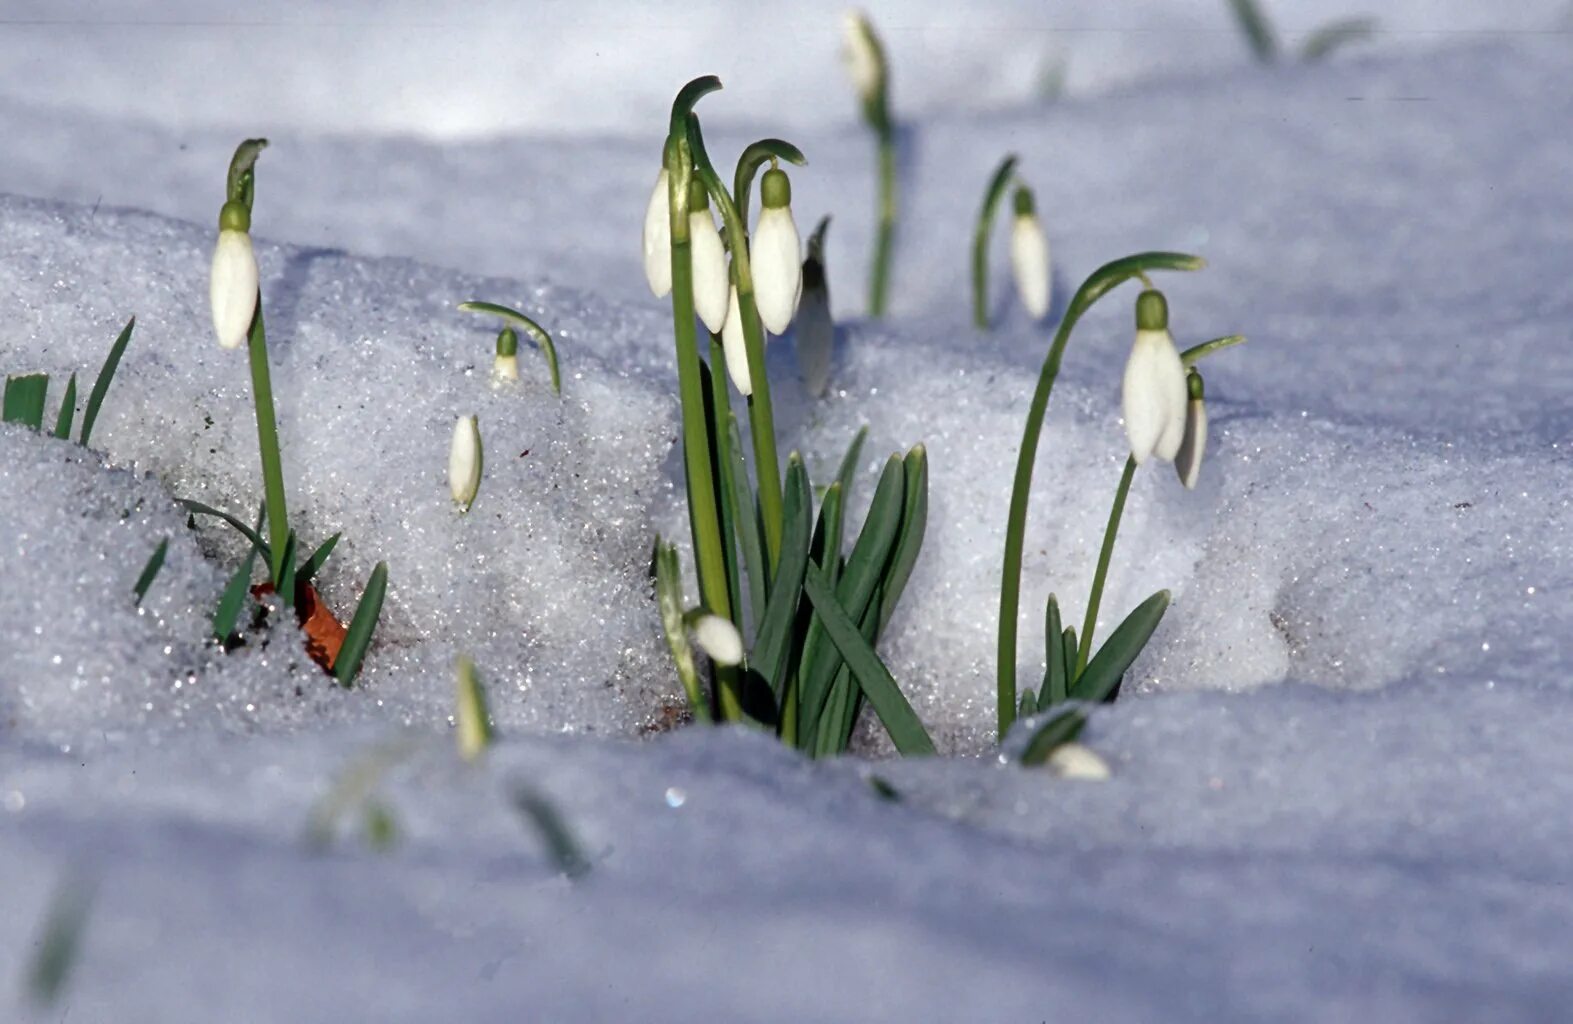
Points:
(862, 575)
(59, 941)
(233, 599)
(537, 333)
(286, 586)
(475, 721)
(718, 449)
(67, 411)
(561, 844)
(1057, 731)
(750, 532)
(980, 240)
(669, 601)
(1104, 671)
(358, 637)
(245, 531)
(846, 698)
(1068, 648)
(846, 474)
(106, 374)
(1055, 686)
(319, 557)
(1253, 23)
(900, 721)
(23, 401)
(1335, 35)
(909, 542)
(155, 562)
(772, 642)
(1029, 704)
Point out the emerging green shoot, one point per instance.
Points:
(358, 637)
(998, 183)
(59, 942)
(561, 844)
(475, 724)
(155, 562)
(506, 366)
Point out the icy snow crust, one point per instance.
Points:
(1341, 773)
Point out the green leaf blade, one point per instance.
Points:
(358, 638)
(23, 401)
(67, 411)
(106, 375)
(1107, 667)
(155, 562)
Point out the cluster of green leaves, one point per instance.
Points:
(1067, 677)
(1258, 31)
(811, 663)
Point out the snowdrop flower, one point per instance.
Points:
(720, 639)
(658, 237)
(233, 284)
(865, 61)
(709, 261)
(464, 462)
(816, 330)
(506, 366)
(777, 254)
(736, 350)
(1074, 761)
(1029, 257)
(1154, 391)
(1188, 462)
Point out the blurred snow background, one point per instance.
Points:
(1375, 571)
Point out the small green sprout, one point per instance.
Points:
(475, 724)
(506, 365)
(1258, 32)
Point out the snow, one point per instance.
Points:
(1339, 773)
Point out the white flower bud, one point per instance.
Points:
(1029, 263)
(233, 287)
(464, 461)
(505, 368)
(864, 62)
(1154, 391)
(719, 639)
(736, 350)
(710, 273)
(1074, 761)
(776, 254)
(1188, 463)
(658, 238)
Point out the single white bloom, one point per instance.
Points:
(505, 368)
(710, 274)
(777, 256)
(1029, 264)
(1154, 392)
(233, 287)
(863, 59)
(719, 639)
(658, 237)
(464, 461)
(1074, 761)
(736, 350)
(1188, 463)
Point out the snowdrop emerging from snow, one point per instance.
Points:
(505, 365)
(1029, 256)
(777, 254)
(1154, 393)
(233, 285)
(464, 462)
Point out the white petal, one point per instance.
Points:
(1176, 397)
(232, 287)
(1154, 397)
(719, 639)
(1029, 263)
(1074, 761)
(505, 368)
(710, 276)
(1188, 463)
(658, 238)
(464, 461)
(862, 60)
(814, 338)
(776, 253)
(736, 350)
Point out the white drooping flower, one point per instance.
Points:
(776, 254)
(464, 462)
(865, 62)
(719, 639)
(711, 280)
(1188, 463)
(505, 367)
(658, 237)
(1154, 392)
(232, 287)
(735, 348)
(1075, 761)
(815, 333)
(1029, 257)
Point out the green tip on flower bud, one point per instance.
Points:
(698, 196)
(507, 342)
(234, 216)
(775, 189)
(1152, 311)
(1194, 387)
(1022, 200)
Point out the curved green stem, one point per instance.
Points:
(752, 159)
(879, 285)
(1095, 287)
(980, 241)
(1104, 554)
(533, 329)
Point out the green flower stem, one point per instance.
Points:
(879, 285)
(1104, 554)
(268, 444)
(980, 241)
(1095, 287)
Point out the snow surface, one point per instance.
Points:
(1341, 771)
